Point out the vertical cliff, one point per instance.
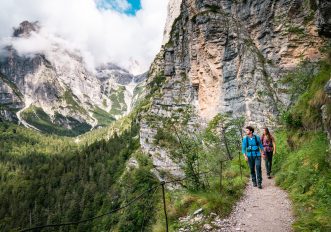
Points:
(230, 57)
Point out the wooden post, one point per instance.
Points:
(164, 206)
(226, 144)
(221, 176)
(241, 171)
(30, 218)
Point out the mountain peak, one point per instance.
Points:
(25, 28)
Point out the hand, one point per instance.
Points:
(246, 158)
(263, 155)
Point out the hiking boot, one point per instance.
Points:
(254, 184)
(259, 186)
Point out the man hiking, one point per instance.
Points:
(251, 146)
(269, 148)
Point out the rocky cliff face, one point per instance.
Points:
(172, 14)
(229, 57)
(55, 88)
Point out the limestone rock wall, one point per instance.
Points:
(227, 56)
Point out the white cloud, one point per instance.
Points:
(35, 44)
(118, 5)
(101, 35)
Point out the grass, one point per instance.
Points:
(118, 103)
(303, 169)
(183, 202)
(303, 158)
(307, 110)
(103, 117)
(296, 30)
(68, 96)
(37, 117)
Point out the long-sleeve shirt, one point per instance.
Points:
(253, 146)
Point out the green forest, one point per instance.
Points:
(48, 179)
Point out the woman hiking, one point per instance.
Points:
(269, 148)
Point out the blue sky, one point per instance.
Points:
(128, 7)
(135, 6)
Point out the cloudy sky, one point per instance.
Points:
(104, 30)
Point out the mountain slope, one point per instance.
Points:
(54, 88)
(225, 59)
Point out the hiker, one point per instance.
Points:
(252, 149)
(269, 148)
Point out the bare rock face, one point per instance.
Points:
(173, 13)
(25, 28)
(229, 57)
(234, 53)
(324, 18)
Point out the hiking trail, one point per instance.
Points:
(260, 210)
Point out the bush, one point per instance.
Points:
(290, 120)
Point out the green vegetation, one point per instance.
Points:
(141, 215)
(170, 44)
(310, 8)
(303, 170)
(11, 85)
(69, 98)
(212, 199)
(138, 90)
(203, 152)
(47, 179)
(103, 117)
(118, 106)
(39, 119)
(156, 83)
(213, 8)
(296, 30)
(306, 112)
(302, 163)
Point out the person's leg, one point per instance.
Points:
(268, 163)
(251, 163)
(258, 170)
(270, 160)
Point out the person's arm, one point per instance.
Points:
(260, 145)
(243, 148)
(274, 145)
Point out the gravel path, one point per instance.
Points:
(261, 210)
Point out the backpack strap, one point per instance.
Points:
(257, 144)
(256, 141)
(247, 142)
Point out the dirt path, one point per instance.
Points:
(261, 210)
